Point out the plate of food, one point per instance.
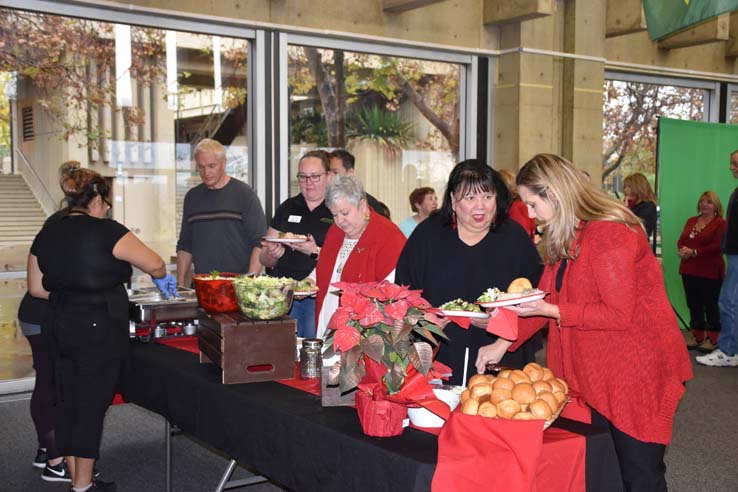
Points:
(519, 291)
(286, 238)
(305, 289)
(461, 308)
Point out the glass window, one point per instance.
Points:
(630, 118)
(129, 102)
(733, 108)
(398, 116)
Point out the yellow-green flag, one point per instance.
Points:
(667, 16)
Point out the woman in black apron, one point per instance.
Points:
(81, 263)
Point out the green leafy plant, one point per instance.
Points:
(214, 274)
(384, 127)
(385, 323)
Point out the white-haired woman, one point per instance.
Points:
(361, 245)
(612, 333)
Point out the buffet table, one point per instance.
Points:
(287, 436)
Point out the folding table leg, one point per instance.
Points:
(168, 457)
(226, 484)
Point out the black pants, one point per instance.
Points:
(702, 299)
(43, 409)
(88, 367)
(641, 463)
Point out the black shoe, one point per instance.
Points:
(58, 473)
(40, 460)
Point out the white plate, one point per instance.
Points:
(465, 314)
(514, 300)
(284, 240)
(305, 293)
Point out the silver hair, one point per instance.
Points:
(212, 146)
(346, 187)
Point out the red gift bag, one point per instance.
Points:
(380, 417)
(480, 453)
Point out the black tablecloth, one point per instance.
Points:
(287, 436)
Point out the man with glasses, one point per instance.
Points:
(343, 162)
(222, 220)
(304, 214)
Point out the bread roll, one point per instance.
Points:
(519, 376)
(476, 379)
(470, 407)
(499, 395)
(549, 398)
(547, 374)
(542, 386)
(534, 371)
(524, 416)
(487, 409)
(519, 285)
(479, 390)
(540, 409)
(504, 383)
(523, 393)
(507, 409)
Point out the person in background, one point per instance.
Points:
(80, 263)
(518, 211)
(423, 202)
(607, 296)
(702, 269)
(361, 246)
(469, 246)
(222, 220)
(304, 214)
(726, 355)
(641, 200)
(343, 163)
(43, 413)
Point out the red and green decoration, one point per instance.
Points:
(390, 324)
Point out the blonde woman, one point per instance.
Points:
(612, 333)
(702, 269)
(642, 201)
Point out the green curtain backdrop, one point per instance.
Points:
(664, 17)
(693, 157)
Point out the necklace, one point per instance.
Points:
(697, 228)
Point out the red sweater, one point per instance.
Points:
(709, 261)
(619, 343)
(519, 213)
(373, 258)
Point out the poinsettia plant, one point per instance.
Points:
(387, 323)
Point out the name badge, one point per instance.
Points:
(294, 218)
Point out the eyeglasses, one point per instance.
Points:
(107, 202)
(314, 178)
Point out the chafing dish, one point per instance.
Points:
(150, 305)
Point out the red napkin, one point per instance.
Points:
(576, 409)
(468, 444)
(503, 323)
(462, 321)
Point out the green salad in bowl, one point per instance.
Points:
(460, 305)
(264, 297)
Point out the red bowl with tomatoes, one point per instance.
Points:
(215, 292)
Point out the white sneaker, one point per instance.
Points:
(718, 358)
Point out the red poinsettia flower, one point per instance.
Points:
(397, 309)
(346, 338)
(340, 318)
(392, 291)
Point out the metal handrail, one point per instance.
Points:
(36, 184)
(207, 129)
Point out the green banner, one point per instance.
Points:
(693, 158)
(667, 16)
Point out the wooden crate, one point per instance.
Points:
(247, 350)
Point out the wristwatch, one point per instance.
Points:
(315, 255)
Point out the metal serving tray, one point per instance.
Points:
(150, 305)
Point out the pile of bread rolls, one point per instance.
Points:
(531, 393)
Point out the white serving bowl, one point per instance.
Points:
(420, 417)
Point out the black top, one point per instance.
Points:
(378, 206)
(646, 211)
(445, 268)
(221, 227)
(75, 255)
(32, 309)
(293, 215)
(730, 243)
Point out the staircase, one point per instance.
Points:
(21, 216)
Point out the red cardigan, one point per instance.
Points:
(519, 213)
(618, 344)
(373, 258)
(709, 261)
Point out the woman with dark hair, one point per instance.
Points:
(606, 298)
(469, 246)
(423, 202)
(80, 263)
